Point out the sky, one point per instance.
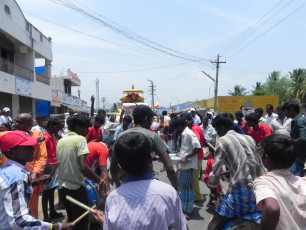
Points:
(170, 42)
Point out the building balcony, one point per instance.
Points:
(16, 70)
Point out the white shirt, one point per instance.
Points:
(144, 205)
(167, 119)
(106, 127)
(289, 191)
(270, 118)
(189, 143)
(209, 132)
(281, 128)
(39, 128)
(5, 119)
(196, 119)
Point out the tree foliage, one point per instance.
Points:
(238, 91)
(298, 84)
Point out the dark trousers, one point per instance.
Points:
(74, 211)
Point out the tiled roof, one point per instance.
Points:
(74, 75)
(54, 98)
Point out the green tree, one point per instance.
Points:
(298, 85)
(238, 91)
(277, 85)
(259, 89)
(114, 108)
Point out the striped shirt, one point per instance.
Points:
(144, 205)
(239, 153)
(15, 193)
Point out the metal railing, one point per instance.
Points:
(19, 71)
(42, 78)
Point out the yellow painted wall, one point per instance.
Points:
(233, 103)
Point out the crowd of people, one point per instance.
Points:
(262, 158)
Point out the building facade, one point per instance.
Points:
(22, 48)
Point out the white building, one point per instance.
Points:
(22, 48)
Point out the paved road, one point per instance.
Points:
(201, 213)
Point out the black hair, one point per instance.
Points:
(8, 126)
(279, 107)
(173, 115)
(209, 115)
(189, 118)
(40, 117)
(133, 151)
(253, 117)
(231, 116)
(179, 122)
(270, 106)
(259, 110)
(291, 104)
(223, 119)
(100, 119)
(164, 113)
(78, 120)
(102, 111)
(241, 107)
(128, 118)
(239, 113)
(53, 122)
(280, 149)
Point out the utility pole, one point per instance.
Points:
(103, 102)
(152, 90)
(217, 62)
(79, 92)
(97, 95)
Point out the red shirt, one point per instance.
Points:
(262, 132)
(208, 169)
(200, 135)
(51, 149)
(93, 134)
(98, 154)
(243, 126)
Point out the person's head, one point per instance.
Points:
(241, 107)
(5, 127)
(179, 124)
(53, 126)
(161, 118)
(102, 112)
(164, 113)
(126, 121)
(205, 120)
(172, 116)
(18, 146)
(222, 124)
(259, 112)
(6, 111)
(24, 122)
(252, 119)
(133, 151)
(41, 120)
(279, 152)
(143, 116)
(231, 116)
(189, 121)
(269, 109)
(192, 112)
(62, 121)
(99, 121)
(79, 124)
(280, 112)
(291, 109)
(239, 115)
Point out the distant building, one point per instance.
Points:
(23, 49)
(62, 99)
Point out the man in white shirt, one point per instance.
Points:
(280, 195)
(208, 130)
(190, 147)
(270, 115)
(41, 120)
(142, 202)
(196, 118)
(166, 117)
(282, 124)
(5, 118)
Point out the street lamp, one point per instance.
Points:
(216, 90)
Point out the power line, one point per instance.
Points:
(130, 35)
(256, 26)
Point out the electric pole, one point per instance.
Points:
(103, 102)
(152, 90)
(97, 95)
(217, 62)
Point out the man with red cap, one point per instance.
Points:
(15, 185)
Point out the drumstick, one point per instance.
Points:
(210, 145)
(82, 216)
(78, 203)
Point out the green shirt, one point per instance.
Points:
(157, 144)
(68, 149)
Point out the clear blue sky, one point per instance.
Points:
(194, 27)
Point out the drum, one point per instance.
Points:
(92, 193)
